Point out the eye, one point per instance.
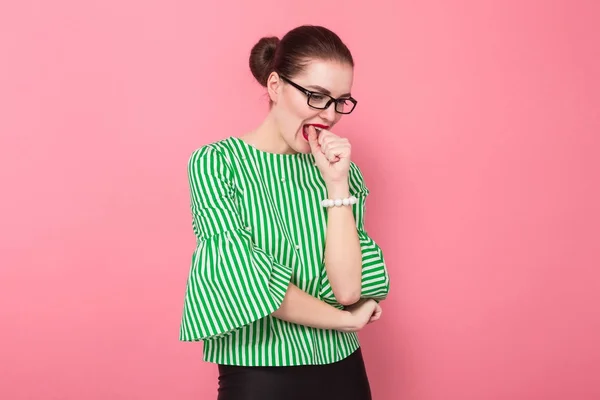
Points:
(318, 96)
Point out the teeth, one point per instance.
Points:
(317, 129)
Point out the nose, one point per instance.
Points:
(328, 114)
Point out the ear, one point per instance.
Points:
(274, 84)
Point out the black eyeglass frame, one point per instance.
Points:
(309, 94)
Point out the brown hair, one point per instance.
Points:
(290, 55)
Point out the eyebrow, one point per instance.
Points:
(325, 91)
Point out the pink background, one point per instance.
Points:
(477, 130)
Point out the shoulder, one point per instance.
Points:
(211, 159)
(358, 186)
(214, 150)
(217, 152)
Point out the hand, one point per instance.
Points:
(376, 315)
(332, 155)
(362, 313)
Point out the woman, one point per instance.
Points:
(284, 274)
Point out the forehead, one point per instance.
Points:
(334, 76)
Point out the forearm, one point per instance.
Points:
(301, 308)
(343, 257)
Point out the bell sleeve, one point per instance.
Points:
(231, 282)
(375, 277)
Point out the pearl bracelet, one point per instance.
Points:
(339, 202)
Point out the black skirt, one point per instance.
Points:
(345, 379)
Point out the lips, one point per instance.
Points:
(318, 126)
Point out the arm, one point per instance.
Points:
(232, 282)
(343, 258)
(301, 308)
(350, 267)
(375, 281)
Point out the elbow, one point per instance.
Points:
(351, 292)
(348, 298)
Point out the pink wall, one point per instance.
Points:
(478, 132)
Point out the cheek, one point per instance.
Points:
(298, 111)
(293, 103)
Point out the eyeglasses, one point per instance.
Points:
(322, 101)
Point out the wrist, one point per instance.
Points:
(346, 321)
(338, 190)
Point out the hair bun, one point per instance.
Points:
(261, 58)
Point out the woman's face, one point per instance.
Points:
(290, 108)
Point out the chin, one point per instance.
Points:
(304, 151)
(301, 144)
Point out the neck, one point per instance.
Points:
(268, 138)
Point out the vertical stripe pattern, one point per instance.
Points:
(259, 225)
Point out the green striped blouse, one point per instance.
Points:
(259, 224)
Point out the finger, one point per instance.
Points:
(313, 142)
(336, 144)
(337, 153)
(312, 137)
(375, 317)
(326, 136)
(332, 157)
(340, 150)
(377, 310)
